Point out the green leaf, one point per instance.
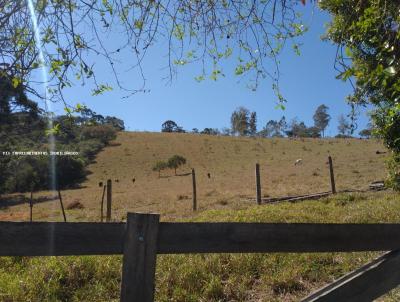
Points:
(199, 78)
(53, 131)
(390, 70)
(16, 82)
(239, 70)
(348, 52)
(139, 24)
(101, 89)
(280, 106)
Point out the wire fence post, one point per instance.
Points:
(102, 204)
(258, 184)
(194, 190)
(109, 200)
(62, 205)
(333, 185)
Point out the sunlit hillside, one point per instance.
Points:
(230, 161)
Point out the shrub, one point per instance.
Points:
(103, 133)
(175, 162)
(70, 171)
(159, 166)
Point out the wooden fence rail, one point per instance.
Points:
(143, 236)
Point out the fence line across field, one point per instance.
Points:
(143, 237)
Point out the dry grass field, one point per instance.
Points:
(230, 162)
(225, 196)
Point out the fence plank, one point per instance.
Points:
(55, 238)
(140, 253)
(364, 284)
(279, 237)
(60, 238)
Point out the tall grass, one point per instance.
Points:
(210, 277)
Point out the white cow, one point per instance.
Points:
(298, 161)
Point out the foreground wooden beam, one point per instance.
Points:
(364, 284)
(60, 238)
(57, 239)
(176, 238)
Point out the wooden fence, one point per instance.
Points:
(143, 237)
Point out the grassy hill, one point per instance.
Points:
(230, 162)
(223, 197)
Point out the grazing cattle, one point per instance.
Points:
(298, 161)
(116, 180)
(380, 152)
(100, 184)
(208, 175)
(133, 180)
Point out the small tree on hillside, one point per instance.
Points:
(240, 121)
(159, 166)
(175, 162)
(253, 124)
(321, 118)
(171, 126)
(344, 126)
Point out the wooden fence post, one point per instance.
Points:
(258, 184)
(194, 190)
(139, 260)
(333, 185)
(31, 207)
(109, 200)
(62, 206)
(102, 204)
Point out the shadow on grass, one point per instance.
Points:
(9, 201)
(184, 174)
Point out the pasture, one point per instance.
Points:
(224, 196)
(230, 161)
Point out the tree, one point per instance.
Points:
(103, 133)
(175, 162)
(321, 118)
(13, 99)
(225, 131)
(271, 129)
(72, 30)
(365, 133)
(344, 126)
(159, 166)
(171, 126)
(210, 131)
(313, 132)
(274, 128)
(299, 129)
(115, 122)
(240, 121)
(253, 124)
(367, 33)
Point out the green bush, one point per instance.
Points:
(89, 148)
(70, 171)
(175, 162)
(159, 166)
(103, 133)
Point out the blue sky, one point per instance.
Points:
(306, 81)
